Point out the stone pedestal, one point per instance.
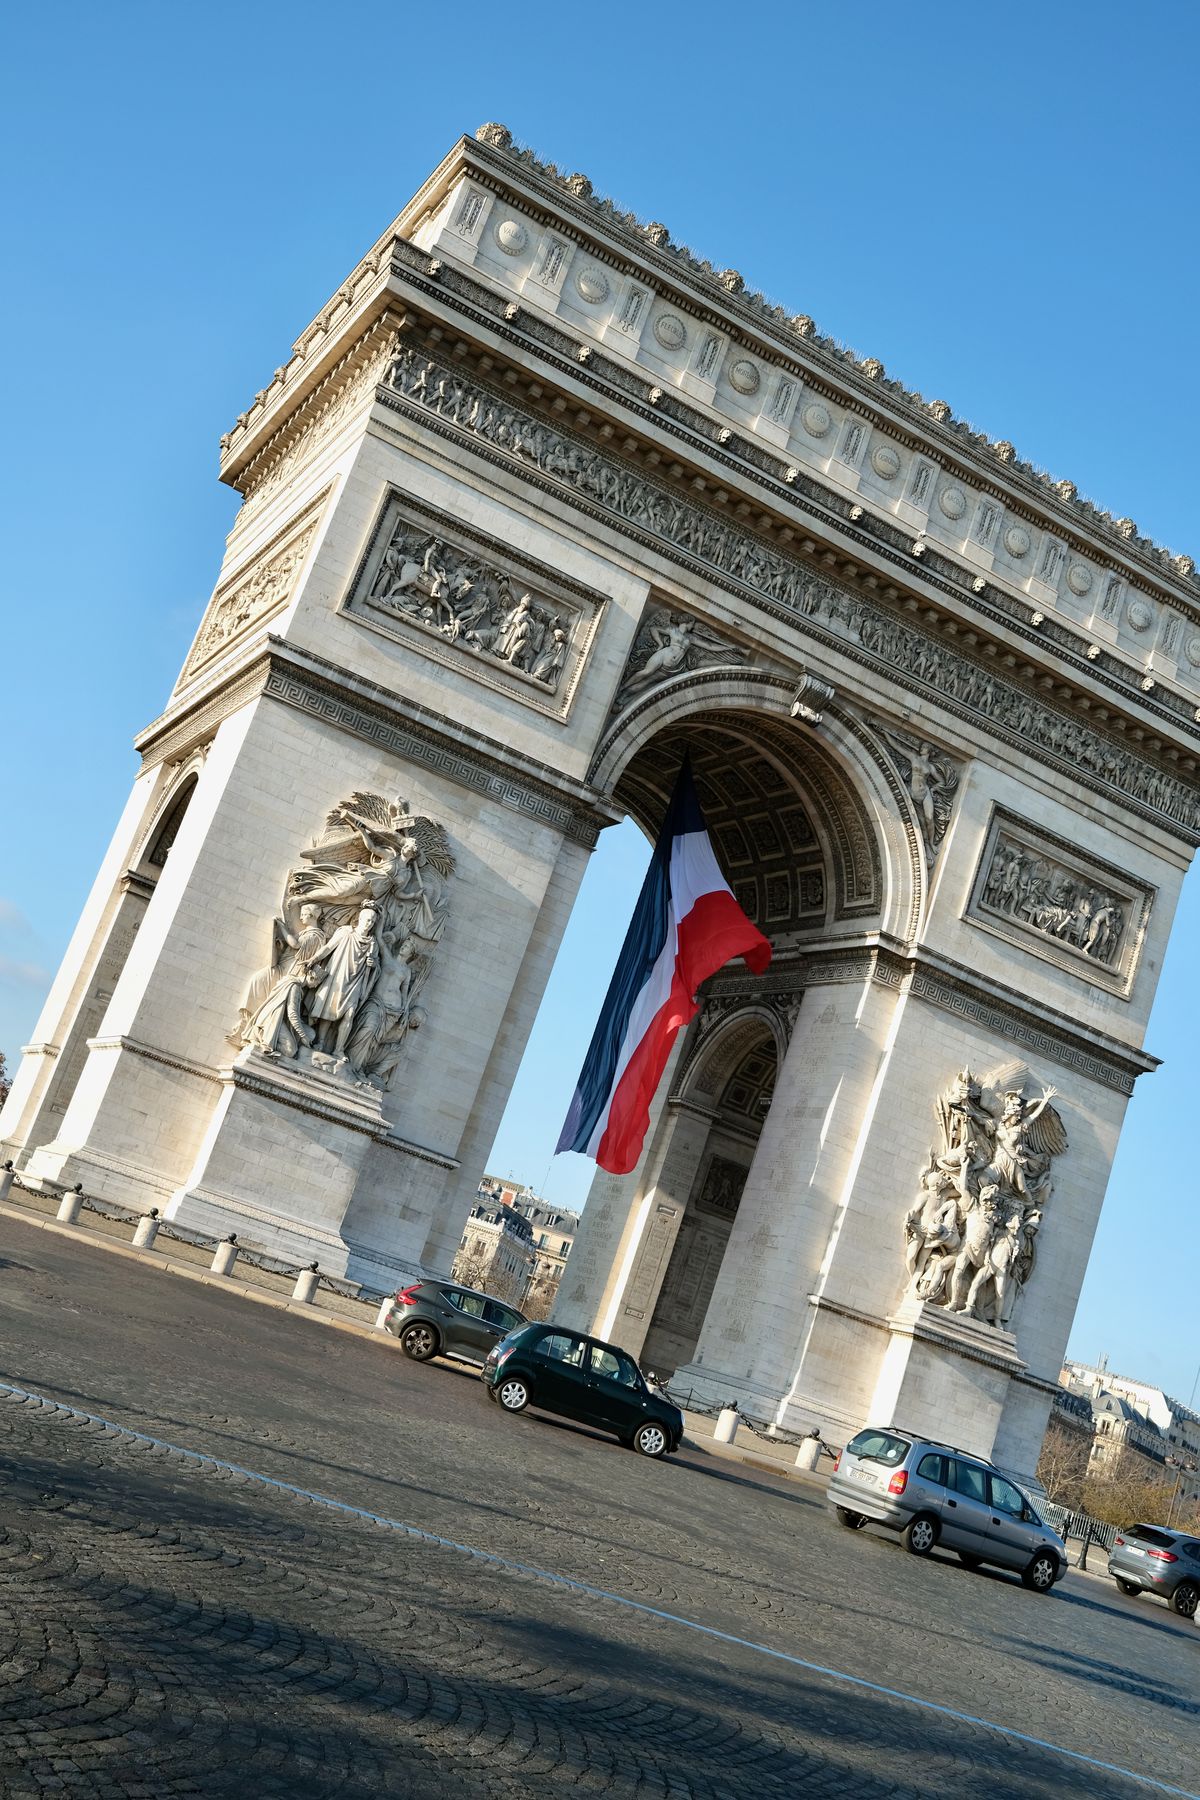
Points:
(945, 1374)
(286, 1149)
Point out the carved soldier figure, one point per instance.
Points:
(515, 633)
(351, 960)
(548, 665)
(932, 1225)
(1104, 933)
(306, 945)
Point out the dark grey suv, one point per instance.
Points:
(1150, 1559)
(442, 1318)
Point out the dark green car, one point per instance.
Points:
(565, 1372)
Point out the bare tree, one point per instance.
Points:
(540, 1296)
(475, 1268)
(5, 1078)
(505, 1285)
(1063, 1464)
(471, 1267)
(1127, 1492)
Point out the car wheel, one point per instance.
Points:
(1185, 1599)
(1127, 1587)
(851, 1520)
(1042, 1572)
(920, 1534)
(513, 1394)
(650, 1439)
(420, 1342)
(969, 1560)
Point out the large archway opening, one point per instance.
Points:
(810, 829)
(792, 835)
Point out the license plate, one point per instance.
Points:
(863, 1475)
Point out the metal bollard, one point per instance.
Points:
(69, 1205)
(385, 1310)
(809, 1453)
(147, 1230)
(307, 1283)
(727, 1424)
(226, 1255)
(6, 1180)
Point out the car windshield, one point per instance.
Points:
(879, 1446)
(615, 1367)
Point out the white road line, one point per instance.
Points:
(418, 1533)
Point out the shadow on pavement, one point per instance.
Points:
(235, 1642)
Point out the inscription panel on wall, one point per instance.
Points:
(471, 603)
(1036, 891)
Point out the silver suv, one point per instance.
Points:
(933, 1494)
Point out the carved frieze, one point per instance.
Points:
(721, 1188)
(931, 776)
(783, 584)
(262, 589)
(672, 643)
(346, 387)
(970, 1236)
(467, 600)
(352, 946)
(1044, 895)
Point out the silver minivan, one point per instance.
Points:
(933, 1494)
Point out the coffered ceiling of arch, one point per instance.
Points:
(791, 835)
(748, 1091)
(732, 1068)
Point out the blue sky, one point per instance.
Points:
(999, 204)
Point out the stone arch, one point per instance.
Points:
(118, 922)
(165, 818)
(840, 776)
(716, 1049)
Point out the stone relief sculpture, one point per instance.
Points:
(353, 944)
(668, 644)
(1047, 897)
(970, 1236)
(931, 777)
(700, 533)
(430, 582)
(263, 589)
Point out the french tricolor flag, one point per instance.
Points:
(686, 926)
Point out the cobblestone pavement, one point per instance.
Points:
(171, 1628)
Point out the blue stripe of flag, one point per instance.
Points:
(642, 948)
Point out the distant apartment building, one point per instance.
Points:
(496, 1251)
(511, 1220)
(553, 1230)
(1134, 1419)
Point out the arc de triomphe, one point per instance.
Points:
(537, 502)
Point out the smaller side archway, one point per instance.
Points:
(53, 1067)
(727, 1079)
